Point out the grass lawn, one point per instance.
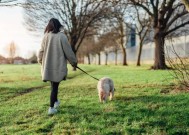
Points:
(144, 103)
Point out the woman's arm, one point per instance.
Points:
(68, 51)
(40, 53)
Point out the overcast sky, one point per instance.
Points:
(12, 29)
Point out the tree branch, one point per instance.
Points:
(175, 28)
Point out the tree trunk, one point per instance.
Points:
(99, 60)
(122, 43)
(159, 39)
(139, 54)
(11, 60)
(73, 45)
(124, 57)
(116, 57)
(74, 68)
(106, 59)
(88, 57)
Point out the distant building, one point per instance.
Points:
(20, 60)
(179, 43)
(131, 33)
(3, 60)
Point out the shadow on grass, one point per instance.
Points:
(10, 93)
(129, 115)
(46, 128)
(164, 113)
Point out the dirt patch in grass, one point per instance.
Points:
(29, 90)
(23, 92)
(6, 81)
(23, 78)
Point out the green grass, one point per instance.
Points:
(144, 103)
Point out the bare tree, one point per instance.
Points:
(118, 23)
(165, 15)
(95, 44)
(115, 50)
(109, 42)
(9, 3)
(11, 48)
(180, 67)
(142, 25)
(98, 47)
(122, 36)
(33, 58)
(75, 15)
(118, 26)
(87, 47)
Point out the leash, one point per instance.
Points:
(87, 73)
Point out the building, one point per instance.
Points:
(178, 44)
(19, 60)
(3, 60)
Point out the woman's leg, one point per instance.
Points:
(54, 93)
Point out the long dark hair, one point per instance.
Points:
(53, 26)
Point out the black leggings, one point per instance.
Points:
(54, 93)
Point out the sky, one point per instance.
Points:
(12, 29)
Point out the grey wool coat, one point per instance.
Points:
(53, 55)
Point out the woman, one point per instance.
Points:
(53, 55)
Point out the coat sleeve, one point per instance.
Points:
(41, 50)
(68, 51)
